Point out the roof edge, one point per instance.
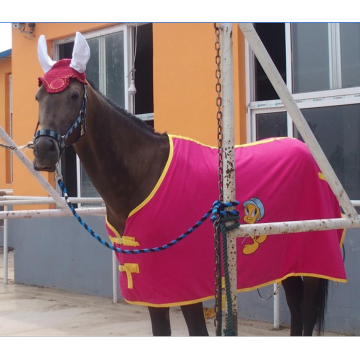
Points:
(5, 54)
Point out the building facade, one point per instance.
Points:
(174, 68)
(174, 78)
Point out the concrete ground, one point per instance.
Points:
(32, 311)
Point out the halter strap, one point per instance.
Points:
(61, 139)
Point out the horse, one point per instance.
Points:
(125, 159)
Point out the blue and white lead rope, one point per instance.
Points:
(217, 211)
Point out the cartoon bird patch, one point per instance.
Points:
(254, 211)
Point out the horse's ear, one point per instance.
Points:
(44, 59)
(81, 54)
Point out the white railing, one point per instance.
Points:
(7, 201)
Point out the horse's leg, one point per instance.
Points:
(294, 291)
(160, 321)
(314, 304)
(195, 319)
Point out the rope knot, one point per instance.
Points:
(221, 216)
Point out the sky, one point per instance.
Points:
(184, 11)
(5, 36)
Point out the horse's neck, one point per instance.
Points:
(122, 161)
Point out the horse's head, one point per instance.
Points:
(62, 103)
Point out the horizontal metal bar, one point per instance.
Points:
(297, 226)
(48, 200)
(7, 191)
(32, 214)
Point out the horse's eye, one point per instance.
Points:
(75, 96)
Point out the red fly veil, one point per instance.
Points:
(58, 74)
(58, 77)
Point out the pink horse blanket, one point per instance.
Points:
(276, 180)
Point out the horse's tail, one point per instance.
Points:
(322, 296)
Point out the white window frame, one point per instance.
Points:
(332, 97)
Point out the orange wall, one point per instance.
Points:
(5, 70)
(184, 85)
(184, 81)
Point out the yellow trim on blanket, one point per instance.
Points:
(112, 229)
(293, 274)
(161, 179)
(195, 301)
(236, 146)
(190, 302)
(129, 269)
(193, 140)
(343, 233)
(263, 141)
(321, 176)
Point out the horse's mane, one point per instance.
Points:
(141, 124)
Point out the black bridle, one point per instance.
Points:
(61, 139)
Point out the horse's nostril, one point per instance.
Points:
(52, 146)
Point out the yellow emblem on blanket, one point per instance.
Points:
(129, 269)
(125, 240)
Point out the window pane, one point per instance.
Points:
(310, 57)
(273, 38)
(350, 54)
(93, 74)
(92, 67)
(87, 188)
(114, 51)
(271, 125)
(337, 130)
(65, 50)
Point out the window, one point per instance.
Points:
(113, 52)
(320, 63)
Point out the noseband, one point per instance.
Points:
(61, 139)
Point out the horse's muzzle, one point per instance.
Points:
(46, 153)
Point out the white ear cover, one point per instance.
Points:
(45, 61)
(81, 53)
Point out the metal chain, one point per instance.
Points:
(218, 282)
(278, 285)
(14, 148)
(219, 111)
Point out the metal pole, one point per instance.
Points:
(47, 201)
(38, 176)
(297, 117)
(115, 265)
(6, 261)
(228, 155)
(276, 308)
(30, 214)
(7, 191)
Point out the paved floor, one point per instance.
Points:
(33, 311)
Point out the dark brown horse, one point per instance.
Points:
(115, 139)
